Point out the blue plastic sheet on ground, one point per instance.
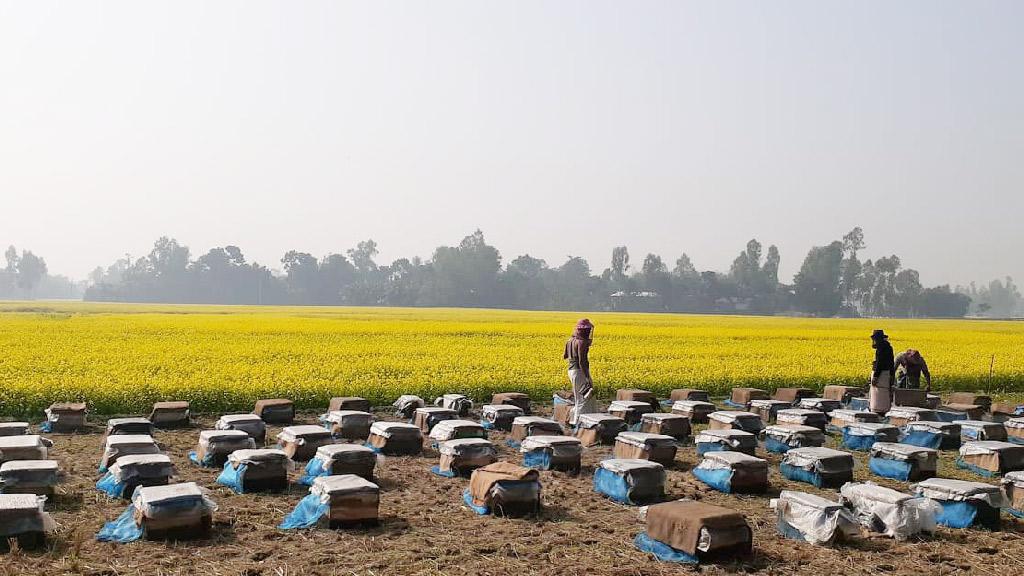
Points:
(858, 404)
(487, 425)
(46, 426)
(720, 480)
(207, 461)
(703, 447)
(306, 515)
(890, 468)
(662, 551)
(314, 469)
(556, 400)
(374, 448)
(512, 443)
(854, 442)
(1015, 512)
(437, 470)
(788, 531)
(800, 475)
(971, 433)
(467, 498)
(732, 404)
(232, 478)
(611, 485)
(635, 427)
(773, 445)
(956, 514)
(971, 467)
(122, 530)
(109, 485)
(539, 459)
(922, 438)
(1015, 440)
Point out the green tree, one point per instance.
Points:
(816, 285)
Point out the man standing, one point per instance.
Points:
(880, 396)
(577, 352)
(909, 367)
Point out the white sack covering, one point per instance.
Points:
(1014, 478)
(464, 446)
(794, 435)
(981, 447)
(818, 520)
(872, 429)
(331, 453)
(340, 416)
(597, 419)
(912, 413)
(263, 456)
(457, 402)
(23, 513)
(819, 404)
(450, 429)
(799, 416)
(944, 428)
(731, 416)
(855, 415)
(904, 452)
(249, 423)
(627, 405)
(894, 513)
(627, 465)
(961, 491)
(127, 444)
(729, 460)
(225, 441)
(300, 435)
(115, 424)
(406, 403)
(819, 459)
(691, 405)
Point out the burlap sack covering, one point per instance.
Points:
(678, 524)
(988, 462)
(589, 436)
(675, 427)
(349, 403)
(793, 394)
(909, 397)
(841, 393)
(450, 461)
(515, 398)
(743, 396)
(169, 413)
(561, 413)
(719, 425)
(484, 478)
(985, 402)
(689, 394)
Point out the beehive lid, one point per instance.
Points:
(16, 425)
(536, 442)
(159, 495)
(339, 416)
(527, 420)
(588, 420)
(130, 440)
(388, 429)
(240, 418)
(332, 451)
(897, 451)
(810, 500)
(67, 407)
(662, 416)
(820, 458)
(435, 410)
(23, 441)
(18, 504)
(873, 492)
(171, 405)
(257, 455)
(1014, 423)
(979, 424)
(690, 405)
(30, 466)
(495, 408)
(1016, 478)
(950, 489)
(819, 402)
(791, 429)
(643, 439)
(735, 460)
(626, 465)
(140, 460)
(293, 433)
(342, 484)
(406, 399)
(987, 447)
(911, 412)
(732, 415)
(453, 397)
(937, 427)
(760, 403)
(870, 428)
(467, 442)
(113, 422)
(628, 405)
(221, 435)
(799, 412)
(729, 434)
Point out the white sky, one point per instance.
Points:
(556, 127)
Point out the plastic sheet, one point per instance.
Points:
(732, 404)
(662, 551)
(208, 461)
(612, 485)
(857, 442)
(922, 438)
(467, 499)
(956, 514)
(976, 469)
(539, 459)
(813, 519)
(122, 530)
(889, 512)
(232, 477)
(111, 486)
(773, 445)
(800, 475)
(313, 470)
(307, 514)
(893, 469)
(719, 479)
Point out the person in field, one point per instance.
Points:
(910, 365)
(880, 391)
(577, 351)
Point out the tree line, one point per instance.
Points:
(832, 281)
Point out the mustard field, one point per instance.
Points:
(122, 358)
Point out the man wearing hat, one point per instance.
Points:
(880, 394)
(577, 352)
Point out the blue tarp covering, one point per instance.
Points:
(853, 442)
(487, 425)
(800, 475)
(307, 514)
(890, 468)
(111, 487)
(437, 470)
(703, 447)
(1015, 440)
(122, 530)
(612, 485)
(662, 551)
(232, 478)
(314, 469)
(922, 438)
(980, 471)
(971, 433)
(556, 399)
(207, 460)
(773, 445)
(635, 427)
(539, 459)
(720, 480)
(732, 404)
(788, 531)
(512, 443)
(46, 426)
(1015, 512)
(956, 514)
(858, 404)
(468, 499)
(947, 416)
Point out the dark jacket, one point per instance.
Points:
(883, 358)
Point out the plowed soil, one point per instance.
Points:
(426, 529)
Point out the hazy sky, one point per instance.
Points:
(557, 127)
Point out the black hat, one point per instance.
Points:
(879, 334)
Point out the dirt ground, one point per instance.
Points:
(426, 529)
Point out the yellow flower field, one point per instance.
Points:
(121, 358)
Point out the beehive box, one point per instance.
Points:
(300, 443)
(349, 424)
(275, 410)
(643, 446)
(695, 411)
(171, 414)
(593, 429)
(251, 424)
